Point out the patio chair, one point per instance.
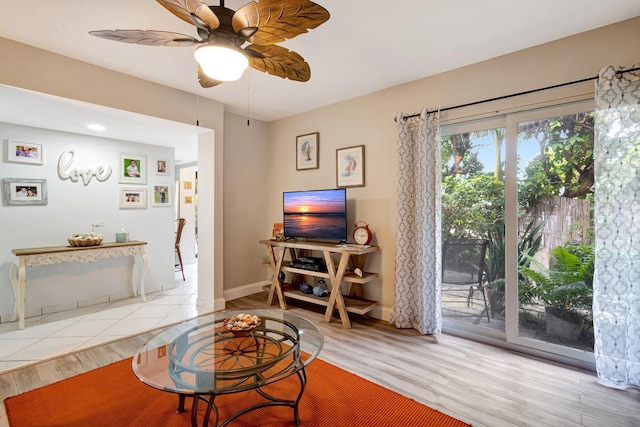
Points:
(463, 265)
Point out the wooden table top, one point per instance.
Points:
(68, 248)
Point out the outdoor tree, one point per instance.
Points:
(564, 164)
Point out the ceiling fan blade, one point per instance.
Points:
(206, 81)
(186, 9)
(146, 37)
(205, 13)
(278, 20)
(178, 8)
(279, 61)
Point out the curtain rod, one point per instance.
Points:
(515, 94)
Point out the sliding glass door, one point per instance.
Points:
(553, 272)
(523, 183)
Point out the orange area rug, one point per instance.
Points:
(113, 396)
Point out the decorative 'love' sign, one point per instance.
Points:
(64, 165)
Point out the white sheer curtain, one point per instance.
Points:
(418, 248)
(616, 296)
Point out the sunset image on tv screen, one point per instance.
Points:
(314, 202)
(319, 214)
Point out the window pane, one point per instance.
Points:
(555, 226)
(472, 209)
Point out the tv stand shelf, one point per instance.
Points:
(349, 275)
(354, 257)
(353, 305)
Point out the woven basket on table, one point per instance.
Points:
(91, 239)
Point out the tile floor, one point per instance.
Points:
(60, 333)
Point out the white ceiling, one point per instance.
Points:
(366, 45)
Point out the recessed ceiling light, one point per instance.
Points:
(95, 126)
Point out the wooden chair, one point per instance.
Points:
(181, 222)
(463, 265)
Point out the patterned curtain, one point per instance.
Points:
(418, 248)
(616, 294)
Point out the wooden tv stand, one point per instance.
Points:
(349, 257)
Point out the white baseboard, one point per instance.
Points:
(243, 291)
(216, 306)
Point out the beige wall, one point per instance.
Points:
(369, 120)
(245, 199)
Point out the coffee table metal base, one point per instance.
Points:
(211, 406)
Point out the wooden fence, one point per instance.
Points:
(567, 221)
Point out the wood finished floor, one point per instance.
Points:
(474, 382)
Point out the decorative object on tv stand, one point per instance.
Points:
(307, 151)
(24, 152)
(278, 231)
(86, 239)
(24, 191)
(320, 288)
(350, 166)
(361, 233)
(64, 171)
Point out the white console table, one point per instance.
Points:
(32, 257)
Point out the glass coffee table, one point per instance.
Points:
(201, 359)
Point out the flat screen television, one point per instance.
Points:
(315, 214)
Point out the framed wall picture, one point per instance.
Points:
(24, 152)
(23, 191)
(162, 166)
(162, 195)
(307, 148)
(132, 198)
(350, 166)
(133, 169)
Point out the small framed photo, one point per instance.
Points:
(132, 198)
(161, 195)
(133, 169)
(22, 191)
(24, 152)
(162, 166)
(278, 231)
(307, 147)
(350, 166)
(188, 185)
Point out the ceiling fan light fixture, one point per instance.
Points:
(221, 63)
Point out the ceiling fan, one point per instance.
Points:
(222, 31)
